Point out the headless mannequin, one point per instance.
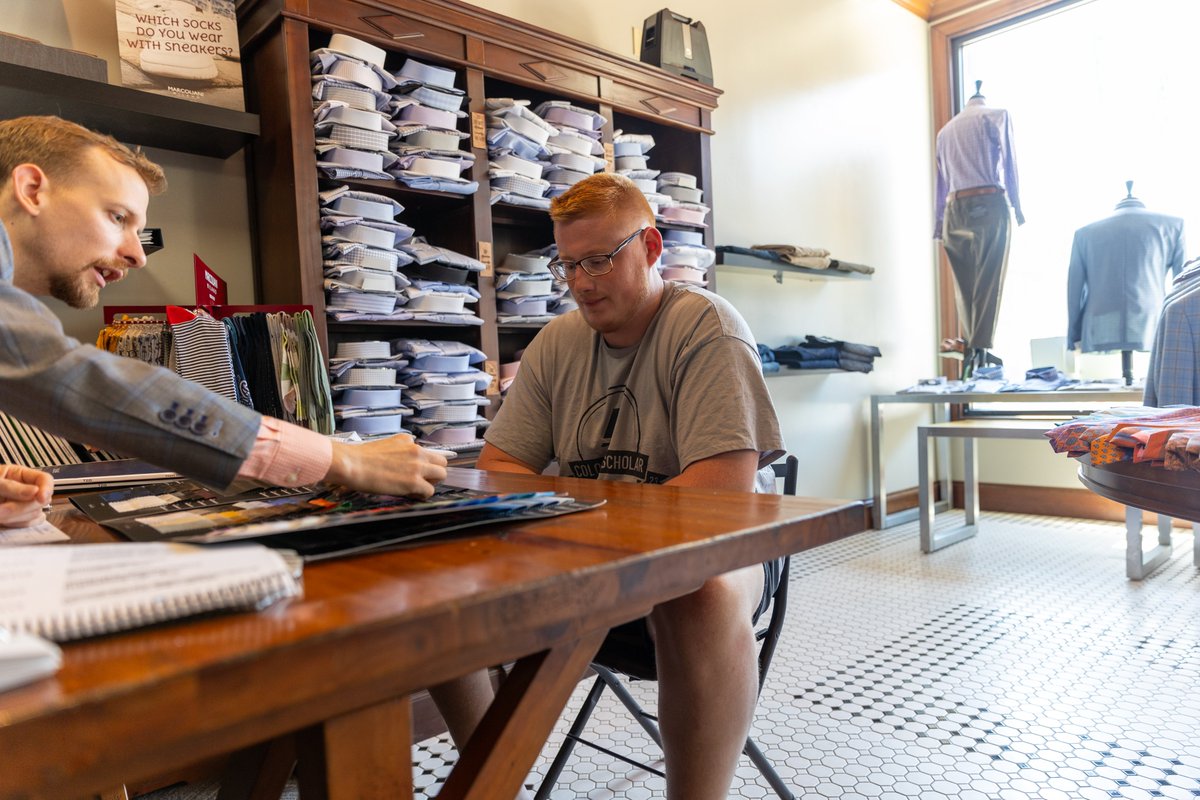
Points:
(1115, 281)
(976, 170)
(979, 356)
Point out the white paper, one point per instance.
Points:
(65, 593)
(40, 533)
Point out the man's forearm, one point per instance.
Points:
(493, 459)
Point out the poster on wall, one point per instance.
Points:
(181, 48)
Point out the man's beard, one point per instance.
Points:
(78, 289)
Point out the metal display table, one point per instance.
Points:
(1063, 403)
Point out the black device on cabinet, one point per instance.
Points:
(678, 44)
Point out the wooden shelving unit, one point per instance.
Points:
(493, 56)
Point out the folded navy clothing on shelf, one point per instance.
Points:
(861, 350)
(855, 364)
(796, 353)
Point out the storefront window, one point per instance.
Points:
(1099, 93)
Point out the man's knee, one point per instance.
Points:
(728, 599)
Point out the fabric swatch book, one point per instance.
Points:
(317, 522)
(104, 474)
(66, 593)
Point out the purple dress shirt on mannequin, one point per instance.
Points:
(975, 170)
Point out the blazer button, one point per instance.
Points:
(201, 425)
(169, 414)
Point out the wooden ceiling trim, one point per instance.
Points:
(921, 8)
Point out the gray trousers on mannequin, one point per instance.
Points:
(976, 233)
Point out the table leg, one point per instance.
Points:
(924, 492)
(260, 772)
(1164, 529)
(931, 540)
(520, 719)
(362, 755)
(1138, 565)
(941, 413)
(970, 482)
(879, 494)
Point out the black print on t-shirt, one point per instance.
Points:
(613, 416)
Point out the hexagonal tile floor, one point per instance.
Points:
(1018, 664)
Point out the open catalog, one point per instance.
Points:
(318, 522)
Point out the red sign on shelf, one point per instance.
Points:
(210, 289)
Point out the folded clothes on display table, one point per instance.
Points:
(1165, 437)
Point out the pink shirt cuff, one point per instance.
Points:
(287, 455)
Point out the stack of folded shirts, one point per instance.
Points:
(443, 389)
(517, 152)
(351, 110)
(426, 109)
(529, 263)
(631, 155)
(525, 289)
(368, 396)
(575, 150)
(360, 242)
(686, 204)
(684, 257)
(438, 290)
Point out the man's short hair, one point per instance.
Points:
(58, 146)
(605, 194)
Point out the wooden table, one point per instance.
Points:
(337, 668)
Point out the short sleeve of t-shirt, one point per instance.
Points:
(722, 404)
(522, 425)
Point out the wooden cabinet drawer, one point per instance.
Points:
(656, 106)
(538, 71)
(388, 29)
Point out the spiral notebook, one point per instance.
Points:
(66, 593)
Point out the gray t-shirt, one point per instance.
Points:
(691, 389)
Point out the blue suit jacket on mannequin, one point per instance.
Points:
(88, 395)
(1117, 278)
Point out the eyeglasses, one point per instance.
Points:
(595, 266)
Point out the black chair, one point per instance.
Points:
(645, 669)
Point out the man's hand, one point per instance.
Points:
(23, 494)
(396, 465)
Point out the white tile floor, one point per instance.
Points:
(1019, 664)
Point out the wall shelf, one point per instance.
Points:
(780, 268)
(129, 115)
(788, 373)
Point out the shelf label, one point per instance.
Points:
(478, 130)
(485, 255)
(610, 164)
(493, 389)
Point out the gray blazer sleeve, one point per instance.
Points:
(87, 395)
